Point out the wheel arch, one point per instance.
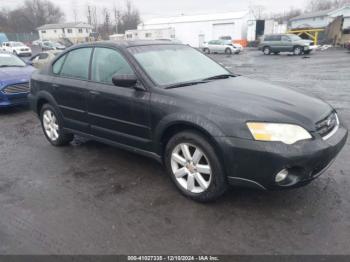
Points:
(45, 98)
(166, 130)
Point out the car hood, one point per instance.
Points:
(9, 75)
(305, 41)
(243, 99)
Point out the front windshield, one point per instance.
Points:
(9, 60)
(173, 64)
(17, 44)
(295, 37)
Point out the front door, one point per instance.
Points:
(286, 43)
(117, 113)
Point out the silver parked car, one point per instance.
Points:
(221, 46)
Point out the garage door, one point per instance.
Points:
(220, 30)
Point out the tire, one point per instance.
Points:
(228, 51)
(51, 124)
(298, 50)
(15, 53)
(206, 50)
(276, 53)
(267, 50)
(201, 176)
(307, 52)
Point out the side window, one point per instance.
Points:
(277, 38)
(212, 42)
(285, 38)
(106, 63)
(77, 64)
(56, 68)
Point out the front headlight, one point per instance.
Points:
(286, 133)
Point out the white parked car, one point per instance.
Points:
(221, 46)
(40, 60)
(17, 48)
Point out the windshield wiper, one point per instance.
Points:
(225, 76)
(186, 84)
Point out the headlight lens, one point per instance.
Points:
(286, 133)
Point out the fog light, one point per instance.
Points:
(281, 176)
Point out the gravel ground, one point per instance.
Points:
(90, 198)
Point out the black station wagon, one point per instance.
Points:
(209, 127)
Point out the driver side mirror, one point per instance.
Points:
(124, 80)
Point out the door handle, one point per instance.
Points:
(94, 93)
(55, 85)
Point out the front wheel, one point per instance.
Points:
(228, 51)
(298, 50)
(52, 126)
(194, 167)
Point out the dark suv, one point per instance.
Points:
(170, 102)
(285, 43)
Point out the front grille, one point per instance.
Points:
(326, 127)
(24, 49)
(16, 89)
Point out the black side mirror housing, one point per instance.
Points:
(124, 80)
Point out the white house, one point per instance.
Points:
(197, 29)
(76, 32)
(321, 19)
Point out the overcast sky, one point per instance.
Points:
(159, 8)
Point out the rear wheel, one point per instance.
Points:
(267, 50)
(194, 167)
(206, 50)
(298, 50)
(52, 126)
(276, 53)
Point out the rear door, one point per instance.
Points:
(117, 113)
(69, 87)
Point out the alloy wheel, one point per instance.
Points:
(50, 125)
(191, 168)
(297, 51)
(267, 51)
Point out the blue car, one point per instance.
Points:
(15, 75)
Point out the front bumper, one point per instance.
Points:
(256, 164)
(13, 100)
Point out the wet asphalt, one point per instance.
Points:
(90, 198)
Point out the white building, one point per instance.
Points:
(76, 32)
(151, 34)
(321, 19)
(197, 29)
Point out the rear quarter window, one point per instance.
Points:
(57, 66)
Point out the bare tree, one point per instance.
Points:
(258, 11)
(29, 16)
(129, 19)
(286, 15)
(117, 18)
(319, 5)
(75, 11)
(105, 28)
